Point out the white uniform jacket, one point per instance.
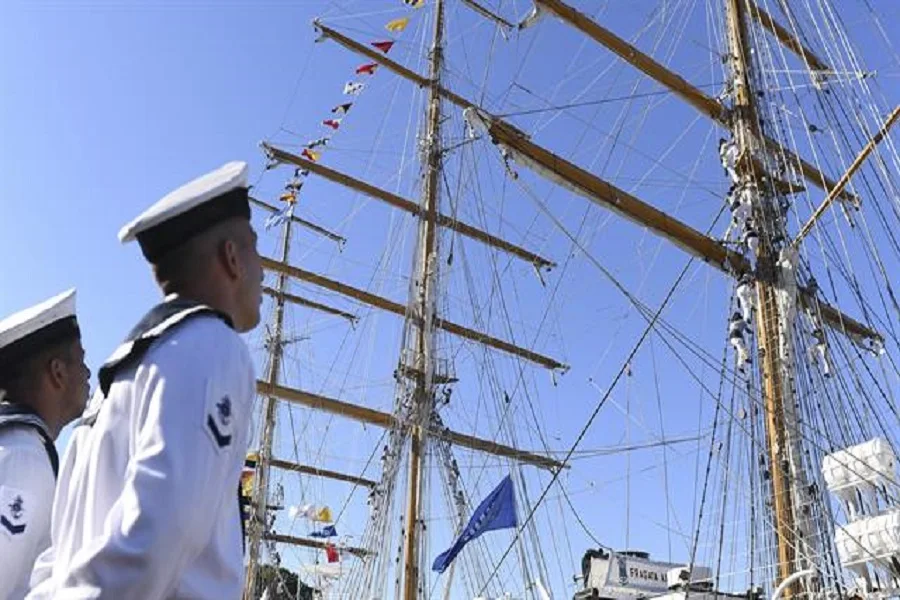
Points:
(27, 479)
(147, 504)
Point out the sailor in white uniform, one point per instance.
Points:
(819, 351)
(740, 213)
(148, 499)
(730, 195)
(749, 192)
(43, 387)
(728, 154)
(750, 239)
(745, 296)
(736, 329)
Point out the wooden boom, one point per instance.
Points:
(400, 309)
(406, 205)
(383, 419)
(787, 40)
(712, 251)
(302, 222)
(308, 543)
(294, 299)
(845, 178)
(609, 196)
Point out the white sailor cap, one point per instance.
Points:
(190, 210)
(35, 328)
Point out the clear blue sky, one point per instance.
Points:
(106, 106)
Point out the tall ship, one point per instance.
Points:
(581, 299)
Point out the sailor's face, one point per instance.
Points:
(251, 288)
(79, 388)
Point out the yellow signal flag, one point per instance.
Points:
(397, 25)
(323, 515)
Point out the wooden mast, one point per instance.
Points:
(427, 278)
(690, 94)
(602, 191)
(257, 524)
(773, 322)
(774, 328)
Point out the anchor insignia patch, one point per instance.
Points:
(219, 422)
(13, 511)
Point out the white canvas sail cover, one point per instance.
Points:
(864, 466)
(327, 570)
(478, 121)
(867, 539)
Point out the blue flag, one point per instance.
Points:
(497, 511)
(280, 217)
(325, 532)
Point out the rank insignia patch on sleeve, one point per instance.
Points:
(13, 511)
(219, 421)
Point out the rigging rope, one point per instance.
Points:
(595, 412)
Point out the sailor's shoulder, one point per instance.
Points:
(21, 439)
(24, 465)
(202, 337)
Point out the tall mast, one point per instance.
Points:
(275, 343)
(774, 318)
(426, 308)
(777, 288)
